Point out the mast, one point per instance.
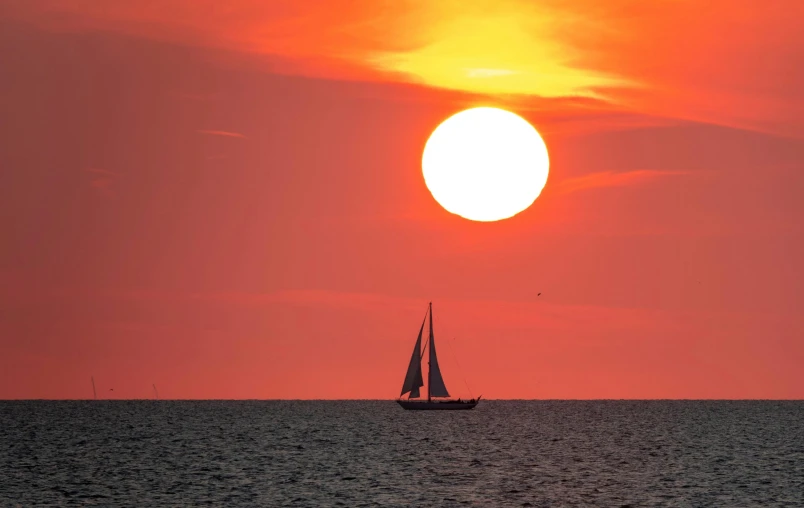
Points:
(429, 367)
(94, 392)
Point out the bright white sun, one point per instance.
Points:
(485, 164)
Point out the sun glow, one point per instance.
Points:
(496, 47)
(485, 164)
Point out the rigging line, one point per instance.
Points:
(455, 358)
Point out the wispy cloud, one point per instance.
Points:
(221, 133)
(614, 179)
(629, 54)
(537, 313)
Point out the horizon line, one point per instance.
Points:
(394, 400)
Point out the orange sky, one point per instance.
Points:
(226, 199)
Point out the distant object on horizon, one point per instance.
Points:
(156, 392)
(435, 383)
(94, 392)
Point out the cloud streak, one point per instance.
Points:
(226, 134)
(668, 58)
(606, 179)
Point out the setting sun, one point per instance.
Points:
(485, 164)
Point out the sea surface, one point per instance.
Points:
(373, 453)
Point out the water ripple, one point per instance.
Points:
(372, 453)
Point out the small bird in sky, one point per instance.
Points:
(539, 294)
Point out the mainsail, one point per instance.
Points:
(413, 379)
(436, 386)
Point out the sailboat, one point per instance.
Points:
(435, 383)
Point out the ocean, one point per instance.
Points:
(373, 453)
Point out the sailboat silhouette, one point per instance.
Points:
(435, 382)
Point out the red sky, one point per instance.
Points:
(226, 199)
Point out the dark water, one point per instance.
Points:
(607, 453)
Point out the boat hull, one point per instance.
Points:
(447, 405)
